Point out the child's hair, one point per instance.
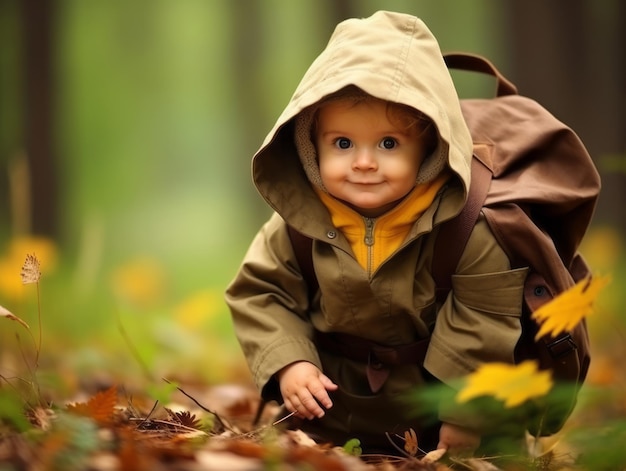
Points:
(402, 116)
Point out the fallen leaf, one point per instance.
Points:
(513, 384)
(218, 461)
(12, 317)
(565, 311)
(100, 407)
(298, 437)
(185, 418)
(434, 456)
(410, 442)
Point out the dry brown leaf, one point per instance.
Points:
(100, 407)
(219, 461)
(317, 458)
(185, 418)
(298, 437)
(410, 442)
(12, 317)
(243, 447)
(434, 456)
(41, 417)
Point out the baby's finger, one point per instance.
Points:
(312, 407)
(328, 383)
(295, 404)
(322, 398)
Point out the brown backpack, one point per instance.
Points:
(537, 187)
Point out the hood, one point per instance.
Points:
(391, 56)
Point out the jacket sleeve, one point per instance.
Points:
(269, 306)
(480, 320)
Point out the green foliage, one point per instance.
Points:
(12, 411)
(602, 447)
(161, 392)
(71, 442)
(353, 447)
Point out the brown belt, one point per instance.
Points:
(377, 357)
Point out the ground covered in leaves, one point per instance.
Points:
(209, 429)
(148, 427)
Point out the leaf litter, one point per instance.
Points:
(112, 430)
(104, 432)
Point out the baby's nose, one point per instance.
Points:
(364, 159)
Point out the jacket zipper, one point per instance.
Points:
(369, 242)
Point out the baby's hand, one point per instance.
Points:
(458, 440)
(302, 385)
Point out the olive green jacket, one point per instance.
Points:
(393, 57)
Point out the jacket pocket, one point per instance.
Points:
(493, 293)
(479, 323)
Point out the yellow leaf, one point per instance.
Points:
(565, 311)
(513, 384)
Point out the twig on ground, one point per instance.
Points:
(217, 417)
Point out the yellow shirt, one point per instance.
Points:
(373, 240)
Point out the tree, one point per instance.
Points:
(568, 55)
(37, 21)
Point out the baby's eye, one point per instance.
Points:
(388, 143)
(343, 143)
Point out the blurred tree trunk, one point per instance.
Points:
(569, 56)
(249, 50)
(38, 40)
(340, 10)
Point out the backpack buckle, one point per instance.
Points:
(562, 346)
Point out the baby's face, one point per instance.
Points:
(365, 160)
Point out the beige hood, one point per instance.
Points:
(391, 56)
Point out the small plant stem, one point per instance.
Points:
(40, 328)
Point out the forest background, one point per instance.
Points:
(126, 132)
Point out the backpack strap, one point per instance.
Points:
(477, 63)
(454, 234)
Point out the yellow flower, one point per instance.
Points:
(513, 384)
(565, 311)
(140, 282)
(603, 247)
(197, 308)
(12, 262)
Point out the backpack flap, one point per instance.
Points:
(545, 186)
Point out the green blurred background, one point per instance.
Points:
(126, 132)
